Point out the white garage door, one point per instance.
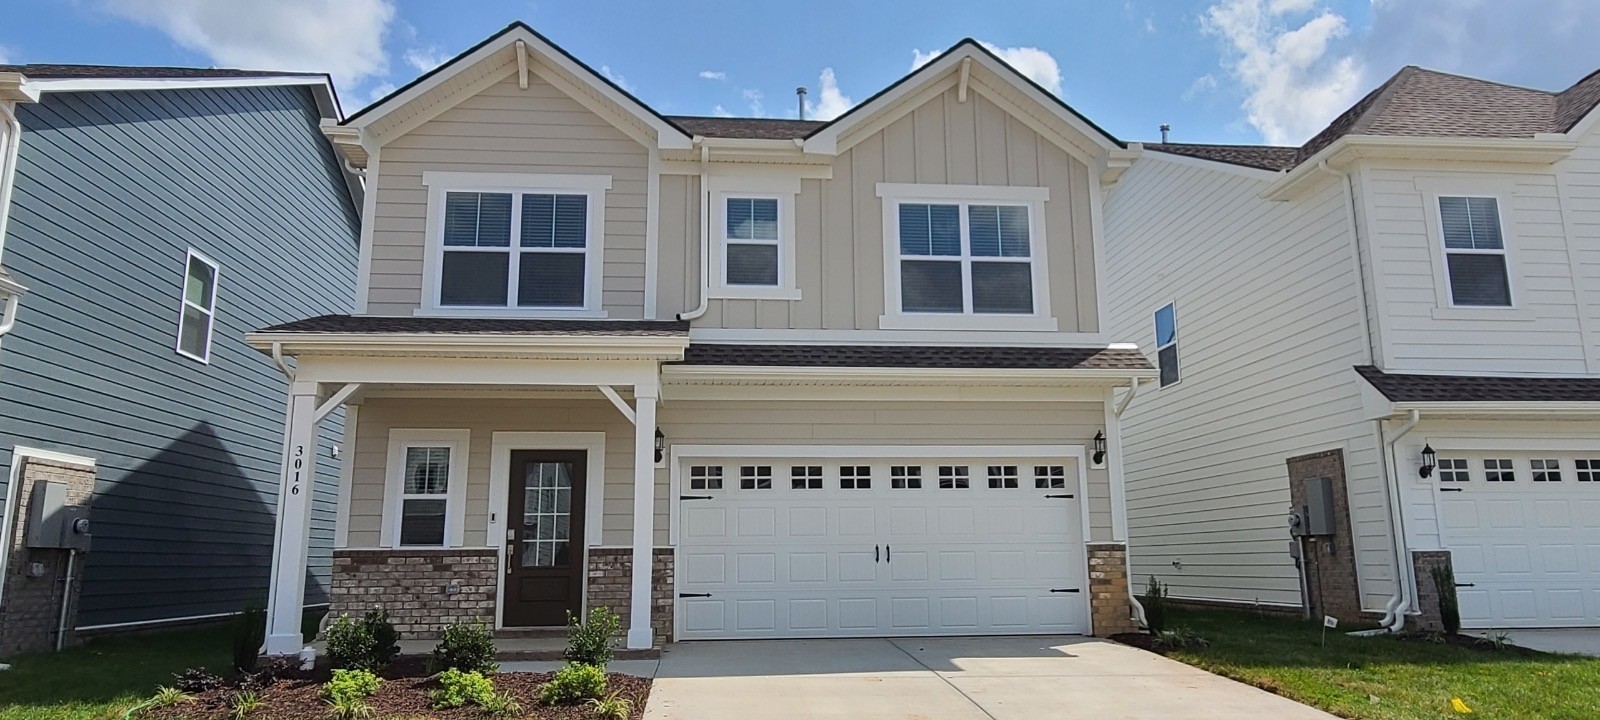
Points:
(1524, 533)
(811, 547)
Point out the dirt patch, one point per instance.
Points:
(1139, 640)
(1469, 642)
(404, 693)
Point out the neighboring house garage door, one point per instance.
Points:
(1524, 537)
(838, 547)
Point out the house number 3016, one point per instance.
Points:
(299, 462)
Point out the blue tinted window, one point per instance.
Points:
(1166, 326)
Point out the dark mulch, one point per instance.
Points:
(404, 693)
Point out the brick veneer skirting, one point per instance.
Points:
(610, 585)
(1330, 562)
(1423, 562)
(415, 587)
(28, 621)
(1108, 589)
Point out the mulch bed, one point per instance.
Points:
(1469, 642)
(1139, 640)
(404, 693)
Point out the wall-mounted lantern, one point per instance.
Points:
(1430, 460)
(1100, 448)
(661, 445)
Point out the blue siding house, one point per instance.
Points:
(155, 215)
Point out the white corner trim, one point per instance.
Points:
(652, 233)
(459, 442)
(19, 456)
(533, 181)
(1012, 193)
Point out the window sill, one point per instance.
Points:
(1484, 313)
(1021, 323)
(754, 293)
(494, 312)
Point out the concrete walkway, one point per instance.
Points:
(996, 678)
(1572, 641)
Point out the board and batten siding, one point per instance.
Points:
(1269, 326)
(506, 129)
(695, 422)
(112, 189)
(839, 222)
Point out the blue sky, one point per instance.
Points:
(1239, 71)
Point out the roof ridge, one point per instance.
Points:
(1485, 81)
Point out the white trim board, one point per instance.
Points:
(13, 492)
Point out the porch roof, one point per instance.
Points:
(917, 356)
(1405, 388)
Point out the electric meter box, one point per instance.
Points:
(1319, 506)
(53, 522)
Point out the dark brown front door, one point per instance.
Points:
(544, 541)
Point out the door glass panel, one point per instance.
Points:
(546, 514)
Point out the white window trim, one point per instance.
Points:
(784, 190)
(440, 183)
(459, 442)
(1034, 198)
(1175, 337)
(183, 304)
(1446, 308)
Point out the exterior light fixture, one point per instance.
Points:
(661, 445)
(1100, 447)
(1430, 460)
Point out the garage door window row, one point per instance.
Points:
(1510, 470)
(901, 477)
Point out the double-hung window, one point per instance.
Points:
(426, 488)
(515, 244)
(1167, 344)
(199, 311)
(753, 226)
(1475, 252)
(750, 242)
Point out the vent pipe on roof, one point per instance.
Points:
(800, 95)
(1165, 129)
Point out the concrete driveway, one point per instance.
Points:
(996, 678)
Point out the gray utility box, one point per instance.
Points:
(1319, 506)
(52, 522)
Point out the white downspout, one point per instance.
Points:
(9, 175)
(277, 359)
(1119, 508)
(1394, 616)
(705, 238)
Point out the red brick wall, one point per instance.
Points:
(611, 585)
(32, 608)
(1330, 560)
(413, 585)
(1108, 589)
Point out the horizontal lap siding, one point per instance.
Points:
(1268, 327)
(505, 129)
(112, 189)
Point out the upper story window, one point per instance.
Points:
(199, 311)
(750, 242)
(965, 257)
(753, 222)
(1475, 252)
(1167, 344)
(515, 244)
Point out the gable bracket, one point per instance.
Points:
(522, 64)
(966, 71)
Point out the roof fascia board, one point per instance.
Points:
(1350, 148)
(110, 84)
(264, 340)
(16, 87)
(891, 373)
(1482, 408)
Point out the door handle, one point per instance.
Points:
(875, 557)
(888, 554)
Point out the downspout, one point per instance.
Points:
(1120, 508)
(1394, 616)
(705, 238)
(277, 359)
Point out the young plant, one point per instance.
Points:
(1444, 580)
(1180, 638)
(589, 643)
(611, 707)
(457, 688)
(249, 631)
(349, 686)
(350, 709)
(242, 704)
(465, 646)
(502, 704)
(369, 643)
(573, 684)
(1497, 641)
(1154, 601)
(167, 696)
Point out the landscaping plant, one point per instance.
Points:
(196, 680)
(573, 684)
(249, 632)
(166, 696)
(1444, 579)
(466, 646)
(244, 703)
(589, 643)
(501, 704)
(1180, 638)
(348, 691)
(611, 707)
(1154, 601)
(457, 688)
(369, 643)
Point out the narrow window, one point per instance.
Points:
(1453, 470)
(954, 477)
(750, 249)
(1049, 477)
(199, 311)
(1588, 470)
(1498, 470)
(1167, 344)
(908, 477)
(1002, 476)
(705, 477)
(424, 496)
(855, 477)
(1545, 469)
(805, 477)
(1475, 252)
(755, 477)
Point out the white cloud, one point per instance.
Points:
(1034, 64)
(621, 81)
(1294, 82)
(5, 55)
(721, 111)
(717, 75)
(343, 38)
(425, 59)
(756, 98)
(831, 103)
(1202, 85)
(377, 92)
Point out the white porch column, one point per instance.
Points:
(286, 598)
(644, 510)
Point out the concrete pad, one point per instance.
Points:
(1034, 656)
(1572, 641)
(845, 697)
(636, 668)
(1198, 696)
(787, 658)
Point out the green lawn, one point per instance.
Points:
(1409, 679)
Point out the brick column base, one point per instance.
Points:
(1422, 564)
(33, 596)
(611, 585)
(1108, 589)
(424, 591)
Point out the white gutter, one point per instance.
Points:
(1394, 616)
(1119, 507)
(705, 237)
(8, 319)
(277, 359)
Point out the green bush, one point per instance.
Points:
(465, 646)
(350, 685)
(1444, 578)
(249, 632)
(369, 643)
(573, 684)
(457, 688)
(1180, 638)
(589, 643)
(1154, 601)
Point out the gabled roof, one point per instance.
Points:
(747, 128)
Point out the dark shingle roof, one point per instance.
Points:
(915, 356)
(63, 72)
(1265, 157)
(479, 326)
(746, 128)
(1407, 388)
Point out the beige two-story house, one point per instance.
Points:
(734, 378)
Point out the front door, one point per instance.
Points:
(544, 538)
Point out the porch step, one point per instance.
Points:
(554, 631)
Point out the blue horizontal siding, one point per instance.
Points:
(112, 190)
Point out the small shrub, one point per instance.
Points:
(242, 704)
(369, 643)
(465, 646)
(501, 704)
(167, 696)
(589, 643)
(457, 688)
(267, 675)
(196, 680)
(1154, 601)
(249, 632)
(350, 708)
(1180, 638)
(349, 685)
(1497, 641)
(611, 707)
(573, 684)
(1444, 579)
